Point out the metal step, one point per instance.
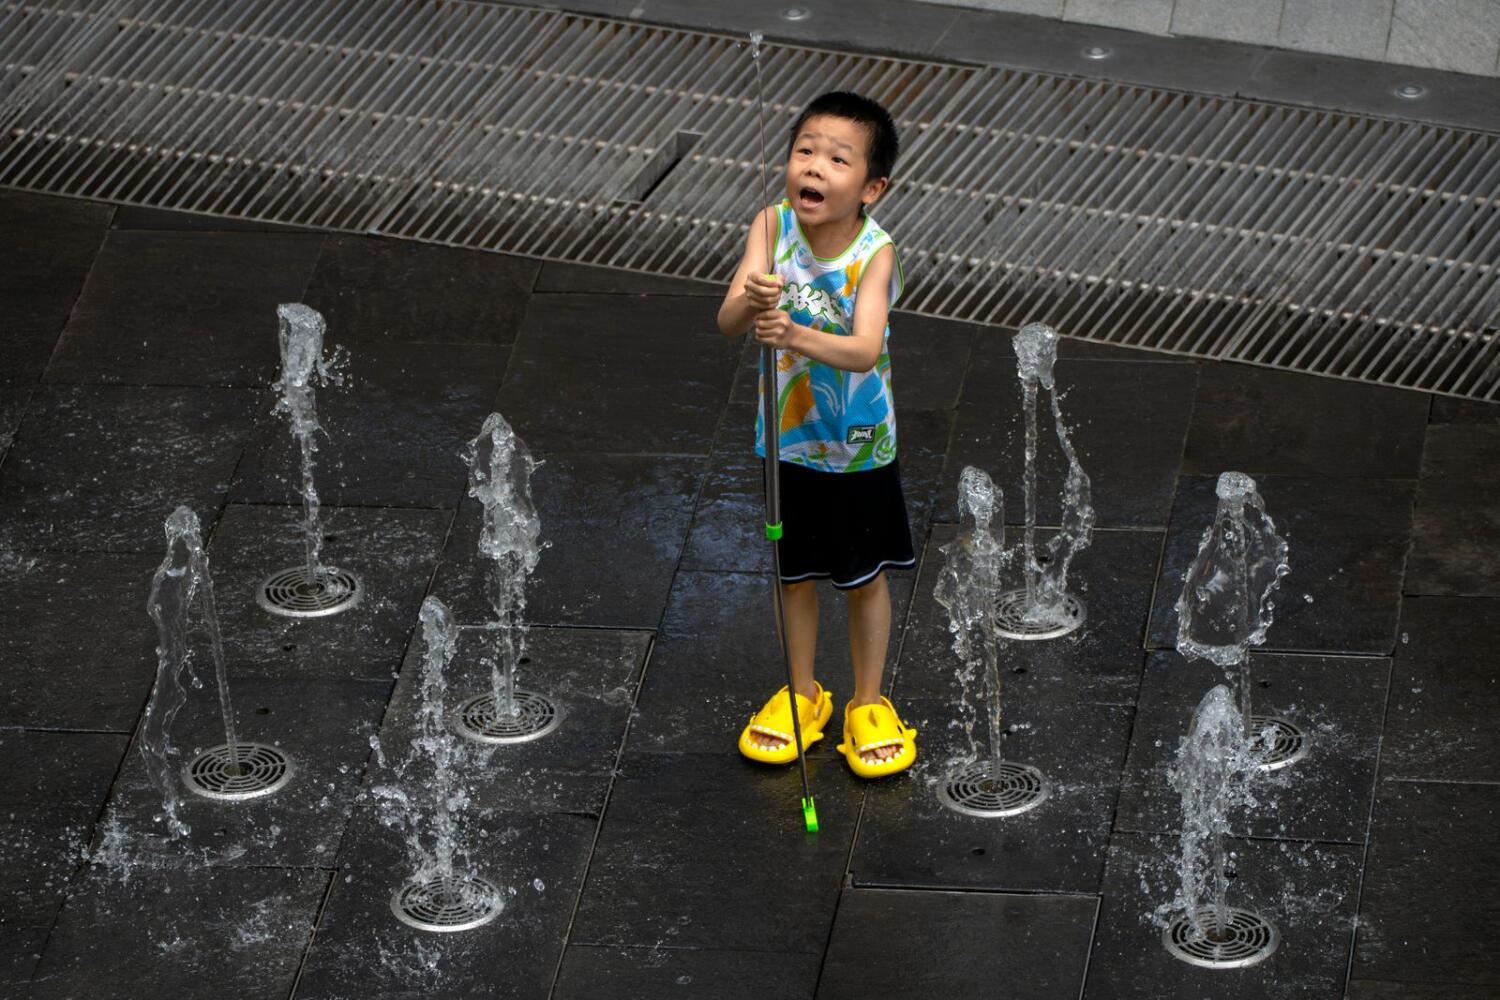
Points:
(1313, 241)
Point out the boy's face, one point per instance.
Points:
(826, 175)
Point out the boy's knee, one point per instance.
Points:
(873, 587)
(799, 587)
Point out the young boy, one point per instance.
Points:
(843, 515)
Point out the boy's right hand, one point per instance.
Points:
(763, 291)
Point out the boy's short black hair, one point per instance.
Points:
(880, 156)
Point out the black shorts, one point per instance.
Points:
(842, 526)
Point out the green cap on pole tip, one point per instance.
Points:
(810, 815)
(773, 531)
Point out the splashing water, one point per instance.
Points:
(1215, 767)
(968, 587)
(304, 366)
(1226, 604)
(1046, 586)
(500, 469)
(432, 763)
(181, 580)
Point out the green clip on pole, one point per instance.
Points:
(771, 416)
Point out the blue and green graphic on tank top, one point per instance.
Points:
(831, 420)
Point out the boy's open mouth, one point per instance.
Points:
(809, 198)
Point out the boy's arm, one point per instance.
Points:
(858, 352)
(738, 311)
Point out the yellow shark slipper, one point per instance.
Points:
(870, 727)
(775, 719)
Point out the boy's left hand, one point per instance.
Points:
(775, 327)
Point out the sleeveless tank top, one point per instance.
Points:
(831, 420)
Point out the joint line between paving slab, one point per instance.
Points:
(859, 816)
(1364, 860)
(41, 378)
(322, 908)
(640, 683)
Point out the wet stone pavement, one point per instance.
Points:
(638, 854)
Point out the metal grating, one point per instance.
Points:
(1314, 241)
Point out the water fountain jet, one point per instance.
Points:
(1214, 770)
(438, 896)
(500, 468)
(1043, 608)
(311, 590)
(234, 770)
(1226, 605)
(986, 786)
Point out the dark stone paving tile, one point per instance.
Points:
(1447, 410)
(101, 467)
(728, 531)
(1338, 702)
(557, 276)
(369, 288)
(394, 430)
(715, 662)
(1370, 990)
(968, 944)
(862, 25)
(141, 217)
(210, 317)
(590, 972)
(1456, 529)
(1261, 421)
(928, 360)
(1348, 542)
(1308, 890)
(1041, 43)
(192, 932)
(618, 374)
(21, 949)
(1431, 897)
(393, 551)
(1100, 662)
(591, 674)
(79, 651)
(48, 246)
(615, 525)
(323, 726)
(1127, 420)
(51, 789)
(910, 840)
(722, 840)
(362, 950)
(1445, 697)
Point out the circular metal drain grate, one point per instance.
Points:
(1011, 623)
(448, 903)
(479, 719)
(255, 770)
(984, 789)
(288, 592)
(1250, 938)
(1288, 743)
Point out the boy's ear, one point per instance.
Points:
(874, 188)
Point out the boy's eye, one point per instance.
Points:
(838, 159)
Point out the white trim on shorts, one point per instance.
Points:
(884, 563)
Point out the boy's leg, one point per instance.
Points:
(869, 637)
(800, 602)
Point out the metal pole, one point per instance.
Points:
(770, 419)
